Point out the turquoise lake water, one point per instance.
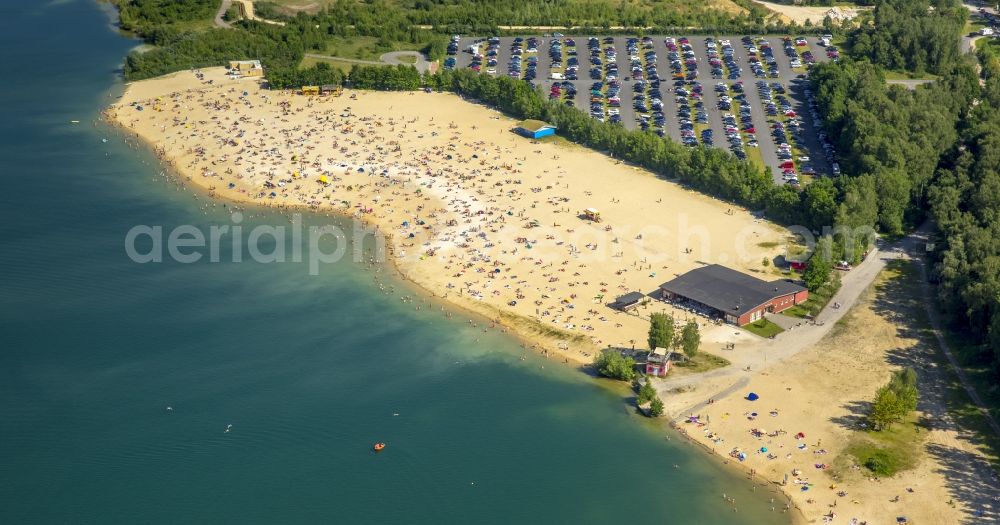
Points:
(310, 371)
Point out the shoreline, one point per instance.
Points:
(528, 329)
(528, 340)
(666, 423)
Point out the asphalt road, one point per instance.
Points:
(768, 149)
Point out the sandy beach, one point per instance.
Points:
(491, 221)
(812, 405)
(474, 213)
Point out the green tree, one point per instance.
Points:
(661, 331)
(656, 408)
(886, 409)
(820, 265)
(895, 400)
(647, 393)
(611, 363)
(904, 384)
(690, 338)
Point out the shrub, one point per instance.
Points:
(613, 364)
(881, 463)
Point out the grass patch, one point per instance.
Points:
(763, 328)
(817, 300)
(768, 244)
(754, 156)
(366, 47)
(353, 47)
(888, 452)
(339, 64)
(909, 75)
(701, 362)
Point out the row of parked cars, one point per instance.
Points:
(648, 99)
(689, 97)
(741, 132)
(828, 149)
(761, 55)
(683, 63)
(564, 90)
(727, 58)
(450, 61)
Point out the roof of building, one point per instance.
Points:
(251, 63)
(534, 125)
(630, 298)
(728, 290)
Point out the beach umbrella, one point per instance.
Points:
(763, 449)
(752, 396)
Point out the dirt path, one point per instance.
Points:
(761, 354)
(935, 323)
(910, 84)
(219, 20)
(395, 58)
(248, 12)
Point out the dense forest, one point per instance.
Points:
(142, 16)
(965, 204)
(916, 35)
(930, 152)
(891, 134)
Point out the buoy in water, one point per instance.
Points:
(379, 446)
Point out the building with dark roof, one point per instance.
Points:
(628, 301)
(730, 295)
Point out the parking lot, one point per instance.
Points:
(746, 94)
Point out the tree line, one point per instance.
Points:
(964, 201)
(484, 17)
(424, 24)
(140, 16)
(932, 151)
(915, 35)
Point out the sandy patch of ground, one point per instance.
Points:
(475, 214)
(727, 6)
(800, 13)
(824, 393)
(250, 15)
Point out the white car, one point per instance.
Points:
(804, 159)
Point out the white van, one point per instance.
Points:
(556, 76)
(836, 168)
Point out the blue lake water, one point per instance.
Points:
(310, 371)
